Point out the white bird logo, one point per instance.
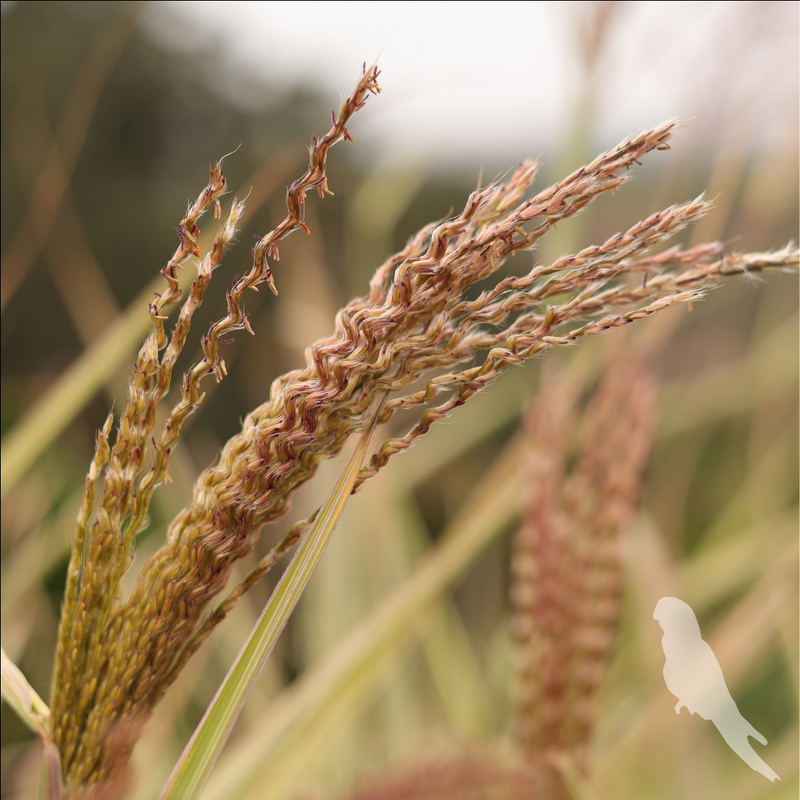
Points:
(692, 673)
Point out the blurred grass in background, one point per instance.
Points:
(104, 136)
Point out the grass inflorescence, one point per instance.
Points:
(427, 339)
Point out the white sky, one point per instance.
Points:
(467, 81)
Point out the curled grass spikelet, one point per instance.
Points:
(314, 178)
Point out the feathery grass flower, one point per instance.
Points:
(566, 569)
(421, 320)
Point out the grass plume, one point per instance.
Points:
(566, 569)
(421, 324)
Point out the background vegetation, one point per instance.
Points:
(105, 136)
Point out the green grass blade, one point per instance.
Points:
(22, 697)
(202, 751)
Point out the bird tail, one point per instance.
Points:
(746, 729)
(736, 738)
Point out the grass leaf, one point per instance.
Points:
(33, 711)
(22, 697)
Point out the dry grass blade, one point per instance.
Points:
(53, 181)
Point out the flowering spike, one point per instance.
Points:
(422, 330)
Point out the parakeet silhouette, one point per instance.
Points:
(692, 673)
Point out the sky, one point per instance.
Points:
(463, 82)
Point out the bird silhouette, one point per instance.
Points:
(692, 673)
